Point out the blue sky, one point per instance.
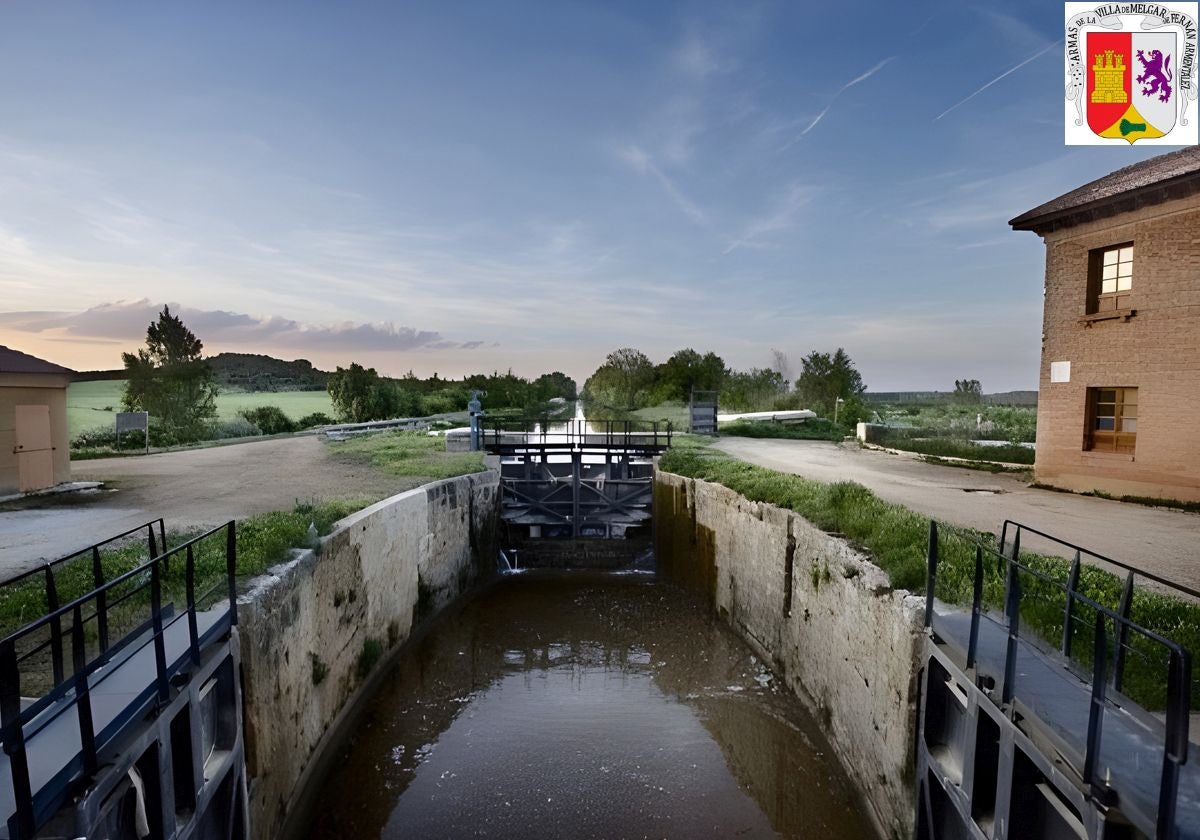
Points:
(458, 186)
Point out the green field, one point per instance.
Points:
(92, 404)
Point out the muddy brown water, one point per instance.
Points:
(584, 705)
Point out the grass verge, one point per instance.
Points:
(409, 453)
(810, 430)
(897, 538)
(958, 448)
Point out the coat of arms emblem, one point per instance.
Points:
(1131, 73)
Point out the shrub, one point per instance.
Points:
(235, 428)
(269, 418)
(317, 418)
(809, 430)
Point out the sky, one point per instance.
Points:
(462, 187)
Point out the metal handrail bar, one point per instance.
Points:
(82, 599)
(1139, 572)
(40, 569)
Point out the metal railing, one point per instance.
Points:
(19, 726)
(1177, 658)
(574, 435)
(156, 542)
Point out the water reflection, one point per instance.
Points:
(570, 705)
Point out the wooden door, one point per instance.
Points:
(35, 453)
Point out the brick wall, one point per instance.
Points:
(1157, 351)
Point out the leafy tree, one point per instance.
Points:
(757, 389)
(687, 371)
(557, 384)
(624, 380)
(968, 391)
(170, 379)
(359, 394)
(825, 377)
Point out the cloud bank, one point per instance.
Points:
(125, 322)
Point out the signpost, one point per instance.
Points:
(134, 421)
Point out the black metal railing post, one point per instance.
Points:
(56, 639)
(160, 645)
(14, 741)
(1012, 611)
(976, 607)
(1091, 754)
(1175, 750)
(152, 541)
(190, 584)
(931, 555)
(1069, 616)
(231, 570)
(83, 697)
(102, 596)
(1121, 636)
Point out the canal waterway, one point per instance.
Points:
(578, 705)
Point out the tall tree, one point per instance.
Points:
(687, 371)
(824, 378)
(170, 379)
(623, 380)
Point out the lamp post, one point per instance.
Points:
(836, 404)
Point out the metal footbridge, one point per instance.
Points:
(120, 705)
(1047, 710)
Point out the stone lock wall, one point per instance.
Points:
(314, 630)
(826, 618)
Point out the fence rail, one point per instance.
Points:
(21, 724)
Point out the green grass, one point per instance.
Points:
(945, 447)
(809, 430)
(897, 539)
(93, 404)
(409, 453)
(1008, 422)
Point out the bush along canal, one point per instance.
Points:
(583, 704)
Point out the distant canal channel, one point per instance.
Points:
(581, 705)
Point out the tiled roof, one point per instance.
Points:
(1148, 182)
(14, 361)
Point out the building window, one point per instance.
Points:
(1111, 279)
(1112, 420)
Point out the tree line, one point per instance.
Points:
(628, 380)
(171, 380)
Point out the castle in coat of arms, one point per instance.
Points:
(1109, 71)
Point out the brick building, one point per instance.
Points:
(1119, 398)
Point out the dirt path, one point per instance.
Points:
(191, 488)
(1166, 542)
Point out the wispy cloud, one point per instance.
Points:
(856, 80)
(640, 161)
(1007, 72)
(781, 218)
